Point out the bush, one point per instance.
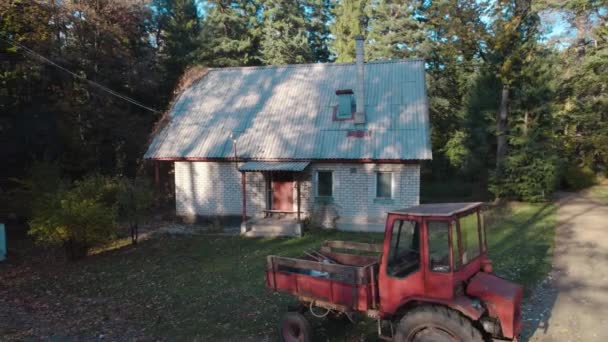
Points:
(77, 218)
(576, 177)
(528, 174)
(135, 199)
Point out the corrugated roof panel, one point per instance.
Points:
(286, 113)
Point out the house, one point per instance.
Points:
(338, 143)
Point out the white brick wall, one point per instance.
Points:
(355, 192)
(212, 188)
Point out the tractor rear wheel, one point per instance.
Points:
(436, 324)
(295, 328)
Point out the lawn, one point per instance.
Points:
(211, 288)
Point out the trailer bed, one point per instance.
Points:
(346, 279)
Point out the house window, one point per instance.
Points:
(345, 104)
(325, 183)
(384, 185)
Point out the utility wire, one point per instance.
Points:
(93, 83)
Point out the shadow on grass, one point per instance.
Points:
(212, 287)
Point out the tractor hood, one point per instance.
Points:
(501, 297)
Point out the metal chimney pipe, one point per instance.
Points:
(360, 95)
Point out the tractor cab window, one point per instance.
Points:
(469, 235)
(439, 246)
(404, 254)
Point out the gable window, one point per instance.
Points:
(345, 104)
(325, 183)
(384, 185)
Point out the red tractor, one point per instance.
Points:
(431, 280)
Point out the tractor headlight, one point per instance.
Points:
(491, 326)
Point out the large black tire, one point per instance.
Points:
(295, 328)
(436, 324)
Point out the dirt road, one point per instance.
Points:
(572, 303)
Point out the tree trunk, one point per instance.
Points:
(501, 127)
(526, 122)
(581, 23)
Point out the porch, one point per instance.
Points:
(283, 213)
(272, 227)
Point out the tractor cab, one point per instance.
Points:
(437, 253)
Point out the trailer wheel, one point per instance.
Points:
(436, 324)
(295, 328)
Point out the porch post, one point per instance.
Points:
(157, 174)
(298, 191)
(243, 187)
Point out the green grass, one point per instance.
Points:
(520, 241)
(599, 192)
(211, 288)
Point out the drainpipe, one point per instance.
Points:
(244, 189)
(360, 96)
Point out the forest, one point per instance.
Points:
(517, 88)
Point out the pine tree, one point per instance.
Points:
(318, 13)
(580, 14)
(229, 34)
(350, 21)
(394, 29)
(179, 32)
(284, 33)
(514, 35)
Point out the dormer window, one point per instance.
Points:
(346, 104)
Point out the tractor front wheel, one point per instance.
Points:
(436, 324)
(295, 328)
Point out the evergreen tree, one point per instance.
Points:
(318, 13)
(229, 35)
(284, 33)
(582, 105)
(179, 31)
(514, 35)
(349, 22)
(394, 30)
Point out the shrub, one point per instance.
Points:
(77, 218)
(457, 151)
(576, 177)
(529, 174)
(135, 199)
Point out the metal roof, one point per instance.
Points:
(286, 112)
(273, 166)
(438, 209)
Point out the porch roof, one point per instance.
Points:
(273, 166)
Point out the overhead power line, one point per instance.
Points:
(80, 77)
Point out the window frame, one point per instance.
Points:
(333, 184)
(392, 195)
(418, 226)
(451, 260)
(342, 99)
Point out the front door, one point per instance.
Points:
(282, 191)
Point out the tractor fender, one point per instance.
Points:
(470, 308)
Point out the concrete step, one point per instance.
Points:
(271, 229)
